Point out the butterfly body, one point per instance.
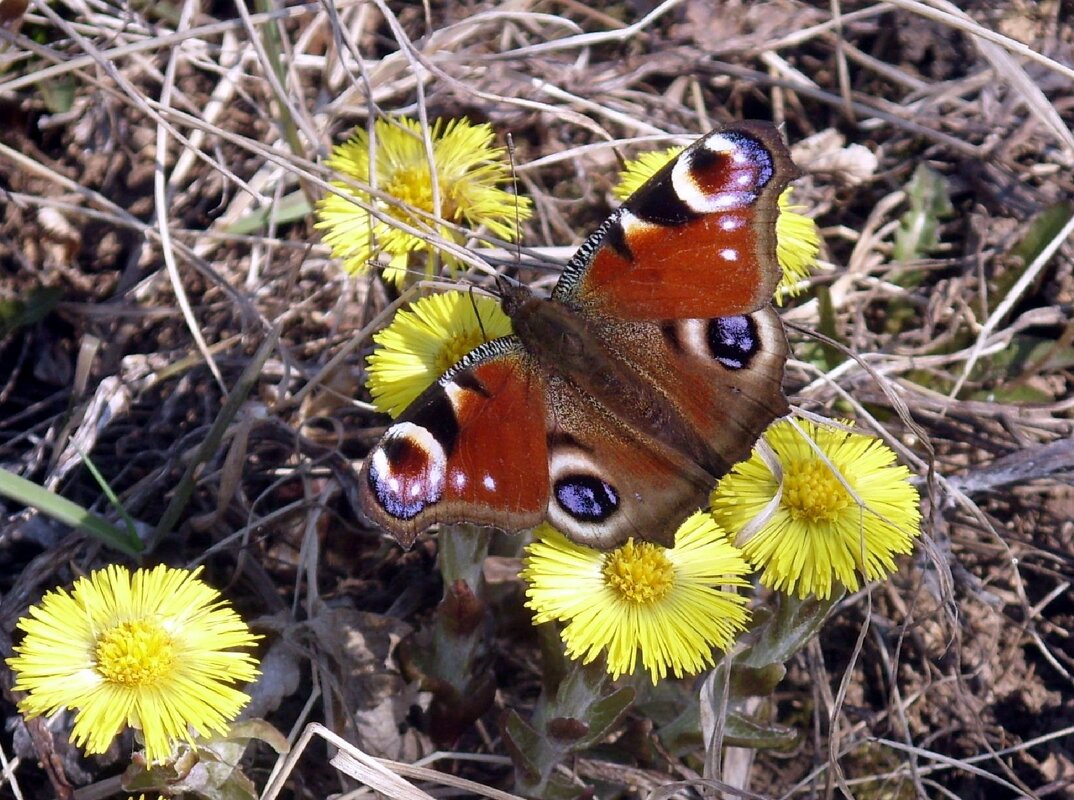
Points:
(652, 369)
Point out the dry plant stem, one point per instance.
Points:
(859, 106)
(960, 22)
(1051, 460)
(427, 775)
(7, 774)
(129, 91)
(150, 44)
(339, 358)
(570, 89)
(600, 37)
(250, 377)
(349, 759)
(423, 114)
(122, 217)
(269, 48)
(161, 196)
(835, 711)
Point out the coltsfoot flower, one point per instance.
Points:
(819, 533)
(469, 171)
(155, 650)
(670, 606)
(421, 344)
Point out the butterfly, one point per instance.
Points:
(618, 401)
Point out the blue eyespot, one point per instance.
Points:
(586, 497)
(733, 341)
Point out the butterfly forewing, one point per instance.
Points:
(696, 241)
(471, 448)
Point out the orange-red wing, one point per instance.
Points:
(697, 241)
(472, 448)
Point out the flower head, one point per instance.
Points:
(636, 171)
(153, 650)
(421, 344)
(469, 170)
(797, 241)
(641, 598)
(797, 246)
(843, 508)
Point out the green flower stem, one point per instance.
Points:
(774, 638)
(462, 554)
(454, 665)
(577, 715)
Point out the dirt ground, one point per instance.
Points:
(952, 286)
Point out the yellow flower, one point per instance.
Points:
(641, 598)
(636, 171)
(469, 170)
(421, 344)
(151, 650)
(817, 531)
(797, 241)
(797, 245)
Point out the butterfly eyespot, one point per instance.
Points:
(586, 497)
(726, 173)
(406, 472)
(733, 341)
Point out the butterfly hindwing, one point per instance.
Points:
(615, 476)
(471, 448)
(723, 376)
(609, 480)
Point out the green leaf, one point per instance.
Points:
(918, 233)
(604, 714)
(113, 499)
(242, 732)
(1013, 394)
(58, 93)
(756, 681)
(741, 730)
(16, 313)
(1045, 226)
(522, 741)
(291, 208)
(832, 355)
(580, 714)
(1008, 370)
(682, 735)
(216, 780)
(63, 510)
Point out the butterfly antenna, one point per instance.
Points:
(477, 313)
(514, 185)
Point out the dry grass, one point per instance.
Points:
(137, 141)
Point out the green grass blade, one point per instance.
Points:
(63, 510)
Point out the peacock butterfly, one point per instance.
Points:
(619, 400)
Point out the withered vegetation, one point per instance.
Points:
(157, 166)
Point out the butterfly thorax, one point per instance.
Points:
(571, 346)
